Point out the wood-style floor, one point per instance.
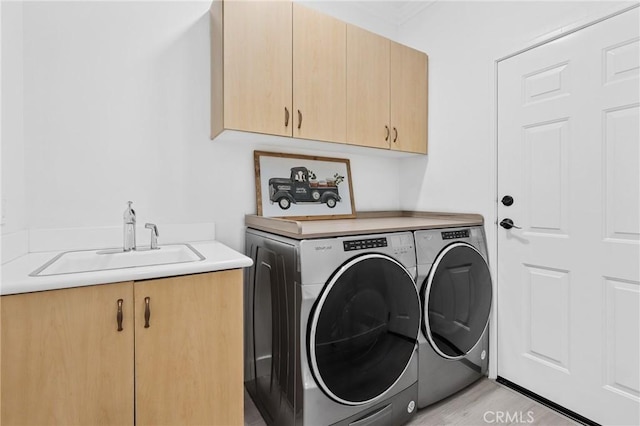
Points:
(479, 404)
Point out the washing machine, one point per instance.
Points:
(331, 329)
(455, 292)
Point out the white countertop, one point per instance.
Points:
(16, 279)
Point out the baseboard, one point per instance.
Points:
(550, 404)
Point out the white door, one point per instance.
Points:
(569, 279)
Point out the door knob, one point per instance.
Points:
(507, 223)
(507, 200)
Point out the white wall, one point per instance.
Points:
(370, 15)
(12, 136)
(116, 108)
(12, 118)
(463, 40)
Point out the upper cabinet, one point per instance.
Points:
(408, 99)
(319, 76)
(283, 69)
(367, 88)
(386, 93)
(251, 66)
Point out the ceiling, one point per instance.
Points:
(392, 12)
(398, 12)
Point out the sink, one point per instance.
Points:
(72, 262)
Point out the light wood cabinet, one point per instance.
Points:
(409, 93)
(278, 68)
(319, 76)
(367, 88)
(189, 360)
(283, 69)
(251, 54)
(386, 93)
(63, 359)
(65, 362)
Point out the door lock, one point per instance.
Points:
(507, 200)
(507, 223)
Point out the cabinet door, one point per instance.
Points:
(408, 99)
(367, 88)
(189, 358)
(257, 66)
(63, 359)
(319, 76)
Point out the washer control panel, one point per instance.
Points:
(452, 235)
(367, 243)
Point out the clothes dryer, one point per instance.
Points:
(331, 328)
(456, 292)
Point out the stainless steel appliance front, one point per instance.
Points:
(331, 329)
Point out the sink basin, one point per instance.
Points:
(72, 262)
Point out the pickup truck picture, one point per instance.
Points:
(301, 187)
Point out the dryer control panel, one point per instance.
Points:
(399, 244)
(452, 235)
(367, 243)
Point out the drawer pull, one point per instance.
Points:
(395, 137)
(299, 119)
(286, 117)
(386, 128)
(119, 314)
(147, 311)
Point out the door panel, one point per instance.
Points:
(546, 176)
(545, 319)
(623, 336)
(622, 175)
(621, 61)
(568, 281)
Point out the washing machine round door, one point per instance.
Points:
(456, 298)
(363, 329)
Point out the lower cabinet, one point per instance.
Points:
(163, 351)
(64, 360)
(189, 359)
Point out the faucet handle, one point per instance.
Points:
(129, 214)
(154, 234)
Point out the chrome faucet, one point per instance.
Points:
(154, 235)
(129, 228)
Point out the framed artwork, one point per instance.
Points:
(303, 187)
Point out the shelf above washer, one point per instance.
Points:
(363, 223)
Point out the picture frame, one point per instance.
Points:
(303, 187)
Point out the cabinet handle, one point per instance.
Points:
(386, 128)
(147, 311)
(286, 117)
(119, 315)
(299, 119)
(395, 133)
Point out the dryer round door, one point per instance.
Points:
(456, 297)
(363, 329)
